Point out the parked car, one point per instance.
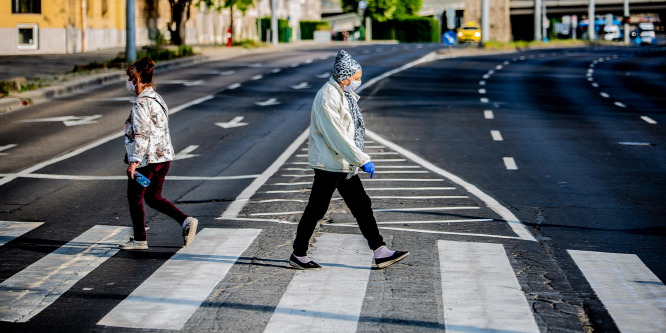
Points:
(470, 32)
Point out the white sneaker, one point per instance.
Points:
(134, 245)
(190, 230)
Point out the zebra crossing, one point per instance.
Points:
(479, 288)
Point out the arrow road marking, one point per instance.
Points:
(324, 75)
(185, 153)
(236, 122)
(67, 120)
(7, 147)
(271, 101)
(184, 82)
(302, 85)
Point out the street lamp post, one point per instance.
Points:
(485, 21)
(626, 21)
(130, 37)
(274, 22)
(591, 19)
(537, 20)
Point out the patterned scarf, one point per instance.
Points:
(343, 69)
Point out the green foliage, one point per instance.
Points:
(218, 5)
(382, 10)
(284, 31)
(407, 30)
(309, 27)
(159, 38)
(247, 43)
(409, 7)
(158, 53)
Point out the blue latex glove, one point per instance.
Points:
(369, 168)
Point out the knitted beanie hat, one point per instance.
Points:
(344, 66)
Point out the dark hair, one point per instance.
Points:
(142, 69)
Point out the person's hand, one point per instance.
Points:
(131, 168)
(369, 168)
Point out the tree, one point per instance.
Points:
(180, 13)
(410, 7)
(382, 10)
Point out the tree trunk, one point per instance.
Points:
(180, 13)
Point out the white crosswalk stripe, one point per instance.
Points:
(12, 229)
(30, 291)
(169, 297)
(633, 295)
(328, 300)
(480, 290)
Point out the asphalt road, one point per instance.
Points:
(444, 138)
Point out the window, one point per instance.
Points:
(26, 6)
(27, 36)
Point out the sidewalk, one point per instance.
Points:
(58, 68)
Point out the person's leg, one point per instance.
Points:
(320, 197)
(135, 194)
(154, 197)
(359, 204)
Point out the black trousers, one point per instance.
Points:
(352, 193)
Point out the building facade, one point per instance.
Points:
(73, 26)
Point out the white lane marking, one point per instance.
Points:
(422, 231)
(384, 172)
(425, 209)
(33, 289)
(7, 147)
(486, 76)
(436, 221)
(290, 184)
(604, 95)
(186, 83)
(329, 299)
(497, 136)
(594, 84)
(374, 147)
(491, 72)
(12, 229)
(114, 99)
(510, 163)
(276, 70)
(236, 122)
(484, 100)
(522, 58)
(589, 74)
(94, 144)
(590, 70)
(280, 200)
(482, 91)
(398, 167)
(234, 86)
(642, 144)
(309, 61)
(622, 105)
(488, 114)
(324, 75)
(633, 295)
(421, 197)
(383, 153)
(225, 73)
(67, 120)
(480, 289)
(298, 176)
(498, 67)
(255, 65)
(294, 65)
(506, 63)
(401, 180)
(83, 177)
(302, 85)
(490, 202)
(482, 83)
(649, 120)
(185, 153)
(237, 205)
(268, 102)
(389, 160)
(169, 297)
(257, 77)
(590, 79)
(277, 213)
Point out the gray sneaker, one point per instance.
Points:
(134, 245)
(190, 230)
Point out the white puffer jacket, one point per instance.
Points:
(331, 145)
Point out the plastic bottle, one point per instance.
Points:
(141, 179)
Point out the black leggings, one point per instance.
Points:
(352, 193)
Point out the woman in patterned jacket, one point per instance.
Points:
(149, 153)
(335, 152)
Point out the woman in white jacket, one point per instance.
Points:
(149, 153)
(335, 152)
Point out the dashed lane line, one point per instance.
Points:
(649, 120)
(510, 163)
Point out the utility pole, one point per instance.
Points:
(485, 21)
(130, 31)
(274, 22)
(544, 21)
(592, 20)
(83, 25)
(537, 20)
(626, 21)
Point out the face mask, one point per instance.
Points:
(130, 87)
(353, 86)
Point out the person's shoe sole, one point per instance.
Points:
(297, 266)
(393, 261)
(192, 233)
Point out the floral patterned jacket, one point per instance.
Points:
(147, 138)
